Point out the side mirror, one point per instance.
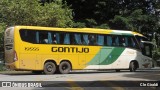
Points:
(147, 50)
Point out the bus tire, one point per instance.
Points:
(132, 67)
(64, 67)
(49, 68)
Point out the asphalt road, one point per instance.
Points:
(84, 80)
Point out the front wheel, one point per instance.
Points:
(132, 67)
(64, 67)
(49, 68)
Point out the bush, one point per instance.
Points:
(1, 61)
(1, 67)
(2, 28)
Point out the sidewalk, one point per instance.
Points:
(156, 68)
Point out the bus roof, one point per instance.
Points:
(82, 30)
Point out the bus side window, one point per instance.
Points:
(55, 38)
(43, 37)
(100, 40)
(37, 37)
(72, 39)
(61, 35)
(78, 38)
(122, 41)
(115, 40)
(105, 40)
(126, 41)
(66, 38)
(117, 43)
(85, 40)
(28, 35)
(92, 40)
(109, 41)
(132, 43)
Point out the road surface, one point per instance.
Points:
(84, 80)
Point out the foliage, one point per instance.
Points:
(120, 22)
(103, 26)
(79, 25)
(136, 21)
(1, 67)
(2, 28)
(135, 15)
(31, 12)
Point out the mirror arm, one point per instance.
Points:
(149, 43)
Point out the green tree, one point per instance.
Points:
(136, 21)
(120, 22)
(31, 12)
(117, 14)
(2, 28)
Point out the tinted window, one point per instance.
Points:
(77, 38)
(139, 39)
(67, 38)
(92, 39)
(43, 37)
(85, 39)
(55, 38)
(109, 41)
(29, 36)
(131, 42)
(100, 40)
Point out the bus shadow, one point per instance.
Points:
(95, 71)
(17, 73)
(134, 74)
(72, 72)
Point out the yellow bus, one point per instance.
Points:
(51, 50)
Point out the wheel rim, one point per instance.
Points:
(65, 67)
(49, 68)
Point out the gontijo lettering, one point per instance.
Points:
(70, 49)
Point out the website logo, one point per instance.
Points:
(6, 84)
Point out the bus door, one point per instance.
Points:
(147, 55)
